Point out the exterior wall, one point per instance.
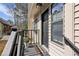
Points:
(76, 24)
(34, 13)
(55, 49)
(39, 30)
(69, 27)
(37, 37)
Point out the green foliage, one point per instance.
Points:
(25, 26)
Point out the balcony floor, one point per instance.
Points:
(31, 51)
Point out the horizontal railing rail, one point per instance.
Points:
(68, 42)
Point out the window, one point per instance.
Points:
(57, 22)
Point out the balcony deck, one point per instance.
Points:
(31, 50)
(16, 46)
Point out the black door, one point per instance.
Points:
(45, 28)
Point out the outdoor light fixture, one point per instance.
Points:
(38, 5)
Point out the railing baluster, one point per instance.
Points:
(22, 43)
(15, 44)
(19, 45)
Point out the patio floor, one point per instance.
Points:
(31, 51)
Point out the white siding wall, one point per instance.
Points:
(37, 37)
(39, 30)
(69, 27)
(76, 24)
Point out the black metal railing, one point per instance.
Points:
(31, 35)
(72, 45)
(15, 44)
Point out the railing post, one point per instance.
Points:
(38, 36)
(19, 45)
(22, 44)
(31, 36)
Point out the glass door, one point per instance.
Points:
(45, 28)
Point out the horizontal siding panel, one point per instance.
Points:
(57, 50)
(76, 8)
(77, 26)
(77, 20)
(76, 33)
(77, 14)
(53, 53)
(76, 39)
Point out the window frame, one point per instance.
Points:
(52, 40)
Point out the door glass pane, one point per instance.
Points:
(45, 28)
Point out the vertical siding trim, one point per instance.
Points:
(49, 30)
